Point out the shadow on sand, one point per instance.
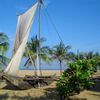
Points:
(49, 94)
(10, 87)
(96, 87)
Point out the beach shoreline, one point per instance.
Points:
(23, 73)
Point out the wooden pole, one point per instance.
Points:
(40, 3)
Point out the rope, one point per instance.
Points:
(52, 23)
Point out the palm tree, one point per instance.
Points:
(83, 55)
(31, 53)
(87, 56)
(4, 46)
(60, 52)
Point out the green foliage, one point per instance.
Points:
(76, 78)
(4, 46)
(31, 53)
(60, 53)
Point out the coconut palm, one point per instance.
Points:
(87, 56)
(60, 53)
(4, 46)
(83, 55)
(31, 53)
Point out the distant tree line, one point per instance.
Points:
(58, 52)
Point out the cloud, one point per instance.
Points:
(11, 38)
(46, 2)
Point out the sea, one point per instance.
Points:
(42, 68)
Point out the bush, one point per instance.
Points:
(76, 78)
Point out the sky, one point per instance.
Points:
(77, 21)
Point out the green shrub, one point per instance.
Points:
(76, 78)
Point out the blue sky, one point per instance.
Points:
(78, 22)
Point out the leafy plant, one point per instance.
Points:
(76, 78)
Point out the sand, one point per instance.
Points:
(22, 73)
(44, 93)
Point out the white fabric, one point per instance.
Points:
(13, 66)
(24, 21)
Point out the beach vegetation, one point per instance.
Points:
(86, 56)
(4, 47)
(76, 78)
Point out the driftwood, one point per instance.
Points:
(28, 81)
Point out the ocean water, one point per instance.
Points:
(42, 68)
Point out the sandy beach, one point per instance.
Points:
(45, 93)
(22, 73)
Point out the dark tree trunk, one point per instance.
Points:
(35, 71)
(60, 67)
(62, 97)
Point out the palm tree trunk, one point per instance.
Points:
(33, 63)
(35, 71)
(60, 67)
(40, 70)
